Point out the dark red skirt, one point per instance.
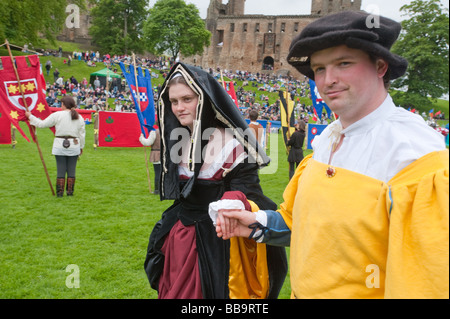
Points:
(181, 277)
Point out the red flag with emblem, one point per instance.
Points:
(229, 87)
(32, 85)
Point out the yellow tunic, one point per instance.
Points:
(357, 237)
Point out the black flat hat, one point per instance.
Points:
(357, 30)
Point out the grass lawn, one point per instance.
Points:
(103, 229)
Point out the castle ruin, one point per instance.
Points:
(257, 43)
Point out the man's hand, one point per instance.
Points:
(234, 223)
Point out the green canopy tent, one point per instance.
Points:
(103, 74)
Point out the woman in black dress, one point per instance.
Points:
(207, 150)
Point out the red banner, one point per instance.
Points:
(86, 114)
(229, 87)
(118, 129)
(32, 85)
(5, 129)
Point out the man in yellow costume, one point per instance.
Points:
(367, 214)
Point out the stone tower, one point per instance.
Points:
(236, 7)
(324, 7)
(232, 8)
(257, 43)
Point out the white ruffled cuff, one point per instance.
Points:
(214, 207)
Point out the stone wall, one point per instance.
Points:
(257, 43)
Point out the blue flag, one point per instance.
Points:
(313, 131)
(145, 109)
(318, 102)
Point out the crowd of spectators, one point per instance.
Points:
(253, 94)
(94, 95)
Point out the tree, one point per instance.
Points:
(175, 27)
(24, 21)
(117, 25)
(424, 42)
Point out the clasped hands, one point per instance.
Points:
(234, 223)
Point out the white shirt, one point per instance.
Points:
(64, 126)
(381, 144)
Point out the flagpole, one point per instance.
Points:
(13, 136)
(26, 108)
(288, 115)
(223, 82)
(138, 99)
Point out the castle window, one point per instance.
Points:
(270, 29)
(296, 27)
(245, 27)
(220, 34)
(232, 27)
(283, 27)
(257, 27)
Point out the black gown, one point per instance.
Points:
(193, 196)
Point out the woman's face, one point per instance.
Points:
(184, 104)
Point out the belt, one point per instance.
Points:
(65, 137)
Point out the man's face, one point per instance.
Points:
(349, 81)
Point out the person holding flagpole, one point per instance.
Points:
(68, 143)
(154, 140)
(366, 215)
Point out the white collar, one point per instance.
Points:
(366, 123)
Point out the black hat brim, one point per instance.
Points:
(300, 53)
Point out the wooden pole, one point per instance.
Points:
(287, 115)
(223, 81)
(16, 46)
(26, 108)
(13, 136)
(107, 80)
(138, 99)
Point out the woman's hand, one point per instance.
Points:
(234, 223)
(28, 114)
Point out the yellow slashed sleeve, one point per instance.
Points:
(418, 254)
(286, 208)
(249, 274)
